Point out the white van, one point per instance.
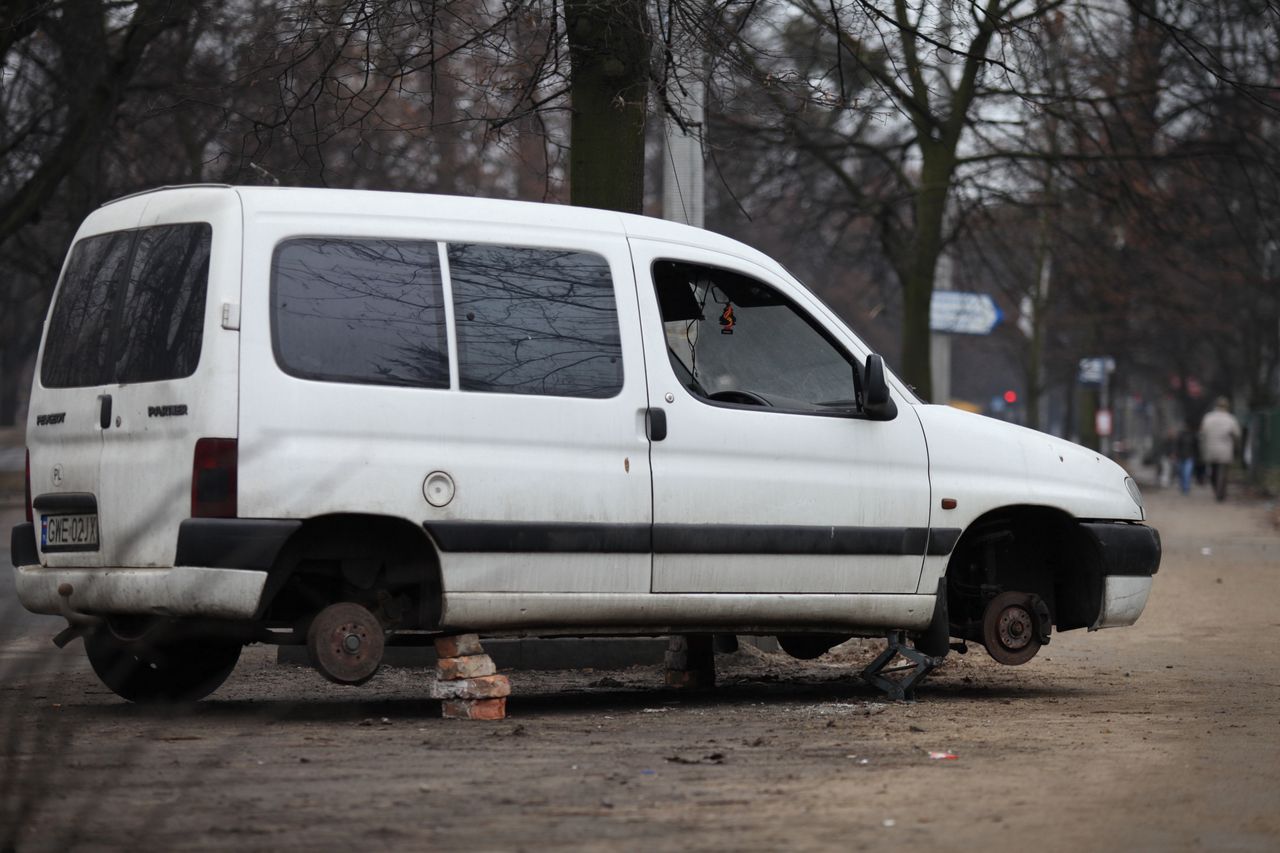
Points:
(462, 415)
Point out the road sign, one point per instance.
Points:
(1094, 371)
(958, 313)
(1102, 422)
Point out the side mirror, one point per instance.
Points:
(878, 405)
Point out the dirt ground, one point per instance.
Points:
(1165, 736)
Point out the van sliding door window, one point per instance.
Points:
(130, 308)
(357, 310)
(535, 321)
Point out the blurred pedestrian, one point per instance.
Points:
(1185, 451)
(1166, 458)
(1219, 437)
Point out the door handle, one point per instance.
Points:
(656, 421)
(104, 410)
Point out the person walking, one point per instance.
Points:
(1185, 451)
(1219, 435)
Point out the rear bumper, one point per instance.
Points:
(22, 545)
(179, 591)
(221, 574)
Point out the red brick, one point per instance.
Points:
(468, 666)
(488, 687)
(474, 709)
(690, 679)
(458, 646)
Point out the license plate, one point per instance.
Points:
(69, 532)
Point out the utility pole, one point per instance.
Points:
(683, 165)
(940, 342)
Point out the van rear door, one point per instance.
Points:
(149, 300)
(64, 435)
(174, 372)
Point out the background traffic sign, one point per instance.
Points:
(959, 313)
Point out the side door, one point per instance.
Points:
(764, 482)
(473, 378)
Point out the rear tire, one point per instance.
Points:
(155, 672)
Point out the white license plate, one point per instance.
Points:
(69, 532)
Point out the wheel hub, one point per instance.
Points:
(346, 643)
(1014, 626)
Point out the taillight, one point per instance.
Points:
(27, 491)
(213, 479)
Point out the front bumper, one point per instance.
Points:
(1123, 600)
(1130, 556)
(1129, 550)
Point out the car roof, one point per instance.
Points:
(258, 199)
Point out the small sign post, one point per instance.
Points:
(1097, 371)
(1102, 423)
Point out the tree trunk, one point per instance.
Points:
(1039, 302)
(608, 52)
(8, 388)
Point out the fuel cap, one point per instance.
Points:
(438, 488)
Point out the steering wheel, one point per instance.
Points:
(742, 398)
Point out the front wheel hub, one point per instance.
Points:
(1014, 627)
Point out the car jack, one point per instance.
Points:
(879, 673)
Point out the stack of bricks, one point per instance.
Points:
(466, 683)
(690, 662)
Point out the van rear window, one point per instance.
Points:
(357, 310)
(535, 321)
(130, 308)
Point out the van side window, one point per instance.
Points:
(535, 321)
(733, 339)
(360, 310)
(131, 308)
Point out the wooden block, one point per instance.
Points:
(488, 687)
(460, 645)
(474, 709)
(467, 666)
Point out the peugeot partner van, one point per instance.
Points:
(267, 414)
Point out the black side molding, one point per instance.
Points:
(539, 537)
(22, 545)
(788, 539)
(1127, 549)
(233, 543)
